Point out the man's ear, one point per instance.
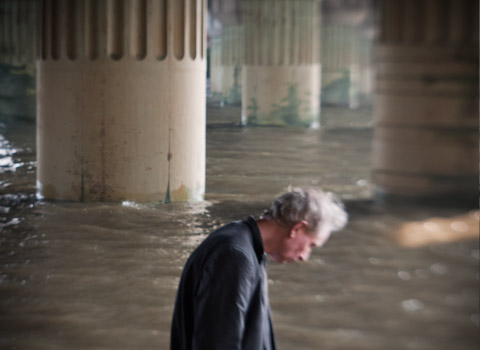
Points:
(299, 226)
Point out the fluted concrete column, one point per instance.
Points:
(281, 76)
(216, 67)
(121, 100)
(340, 85)
(226, 65)
(347, 71)
(17, 58)
(366, 70)
(426, 110)
(232, 61)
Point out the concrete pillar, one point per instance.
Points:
(226, 69)
(340, 85)
(281, 76)
(17, 58)
(121, 100)
(426, 107)
(232, 61)
(216, 68)
(366, 70)
(347, 72)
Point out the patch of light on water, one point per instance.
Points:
(475, 319)
(362, 182)
(404, 275)
(411, 305)
(198, 208)
(195, 240)
(11, 222)
(438, 230)
(438, 269)
(5, 151)
(459, 226)
(7, 164)
(430, 226)
(130, 204)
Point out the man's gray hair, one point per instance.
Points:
(313, 205)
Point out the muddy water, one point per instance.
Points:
(104, 276)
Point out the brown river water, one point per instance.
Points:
(104, 275)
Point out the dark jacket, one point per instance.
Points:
(222, 300)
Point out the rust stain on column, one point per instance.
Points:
(180, 194)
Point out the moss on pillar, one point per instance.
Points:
(291, 110)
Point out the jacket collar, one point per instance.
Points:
(257, 238)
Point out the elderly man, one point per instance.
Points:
(222, 300)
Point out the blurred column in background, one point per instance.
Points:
(226, 65)
(121, 100)
(226, 46)
(216, 69)
(232, 60)
(281, 75)
(340, 84)
(365, 71)
(17, 59)
(346, 52)
(426, 111)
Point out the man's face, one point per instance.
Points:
(298, 244)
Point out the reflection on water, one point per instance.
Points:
(104, 276)
(439, 230)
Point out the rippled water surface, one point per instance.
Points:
(104, 276)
